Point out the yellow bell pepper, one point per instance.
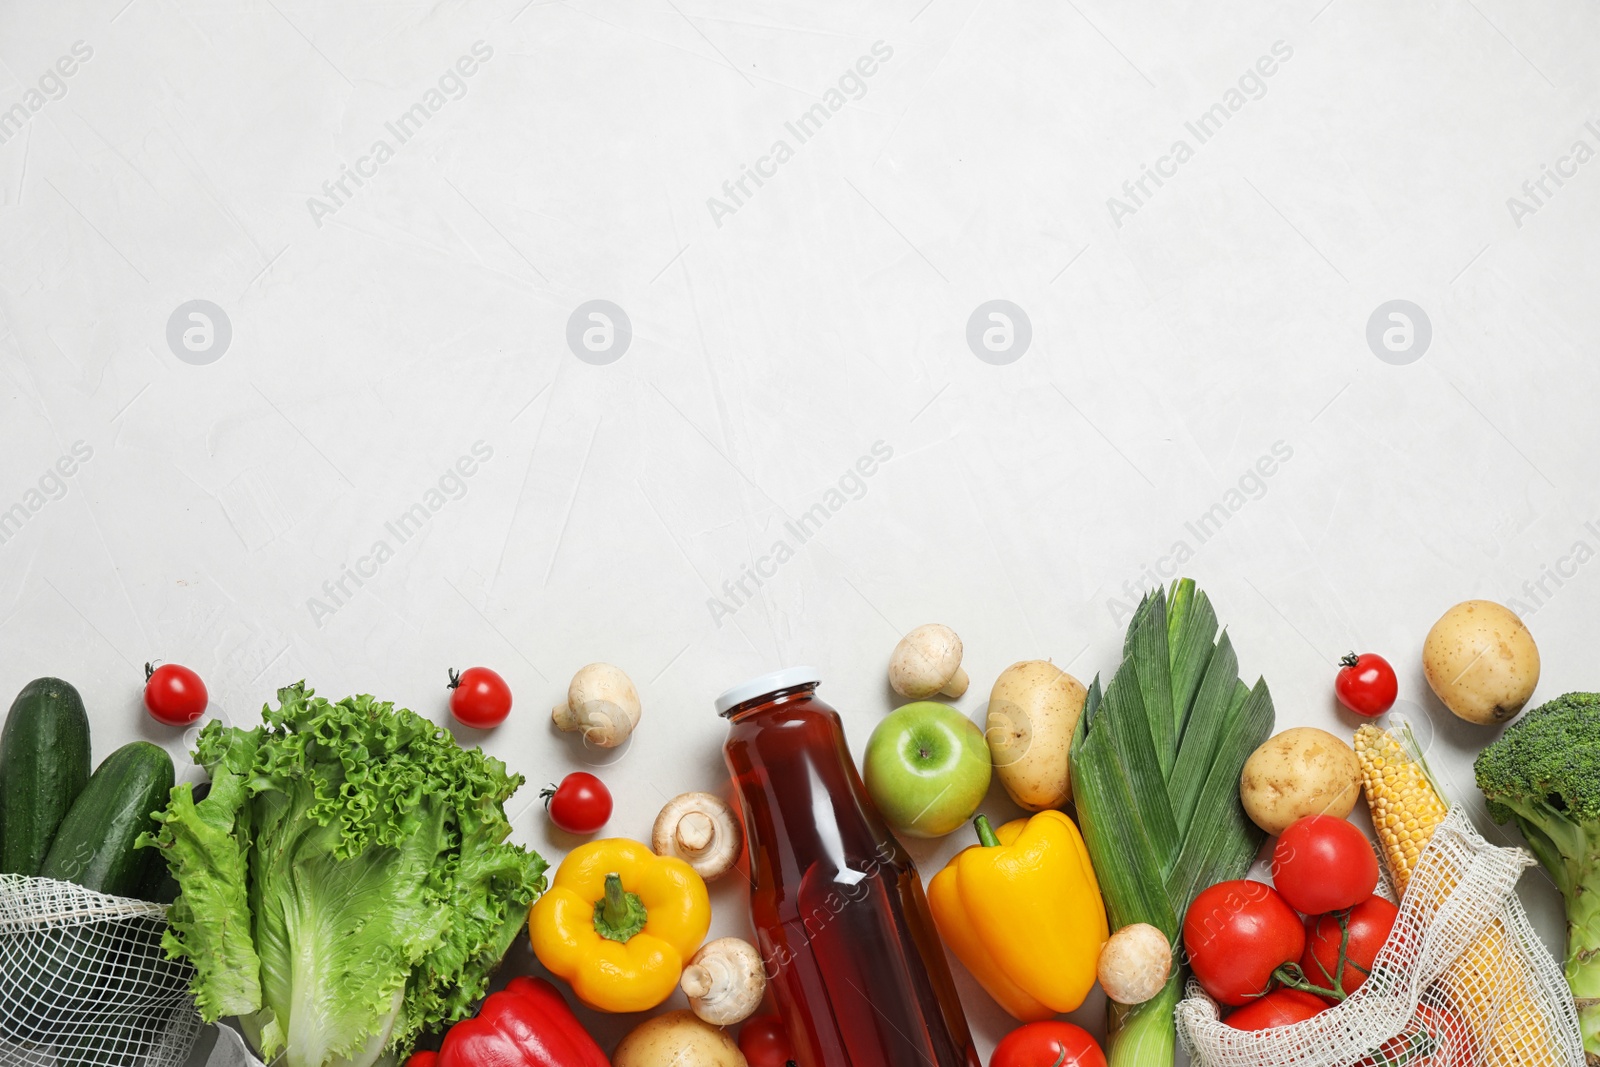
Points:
(619, 923)
(1022, 911)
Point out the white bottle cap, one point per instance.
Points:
(761, 685)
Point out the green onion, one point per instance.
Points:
(1155, 774)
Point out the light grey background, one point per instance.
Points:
(775, 339)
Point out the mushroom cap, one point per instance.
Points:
(725, 981)
(606, 682)
(700, 829)
(1135, 964)
(925, 660)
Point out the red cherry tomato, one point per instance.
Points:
(1044, 1044)
(1280, 1008)
(479, 698)
(174, 695)
(1238, 933)
(1366, 684)
(764, 1042)
(1369, 923)
(581, 804)
(1322, 863)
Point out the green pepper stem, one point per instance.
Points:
(618, 914)
(616, 906)
(986, 836)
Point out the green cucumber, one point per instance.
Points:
(44, 764)
(96, 846)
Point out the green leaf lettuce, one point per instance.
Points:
(346, 883)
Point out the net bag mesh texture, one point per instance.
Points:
(84, 981)
(1463, 981)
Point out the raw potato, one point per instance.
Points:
(1300, 772)
(1033, 709)
(677, 1039)
(1480, 660)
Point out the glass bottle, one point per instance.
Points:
(855, 965)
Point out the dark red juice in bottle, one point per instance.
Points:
(856, 967)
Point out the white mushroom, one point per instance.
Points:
(701, 830)
(725, 981)
(601, 703)
(1135, 964)
(927, 661)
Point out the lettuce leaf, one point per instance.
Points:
(346, 883)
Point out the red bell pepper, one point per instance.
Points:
(527, 1024)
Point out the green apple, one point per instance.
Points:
(927, 769)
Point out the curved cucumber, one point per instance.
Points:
(95, 846)
(44, 764)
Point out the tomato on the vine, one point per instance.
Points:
(764, 1042)
(1322, 863)
(1369, 922)
(581, 804)
(479, 698)
(1279, 1008)
(1366, 684)
(1237, 934)
(174, 695)
(1048, 1044)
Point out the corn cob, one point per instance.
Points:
(1405, 806)
(1484, 982)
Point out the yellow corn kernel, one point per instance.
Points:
(1484, 982)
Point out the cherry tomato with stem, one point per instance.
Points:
(581, 804)
(174, 695)
(1238, 934)
(1283, 1007)
(1436, 1036)
(479, 698)
(1358, 933)
(1322, 863)
(1366, 684)
(764, 1042)
(1048, 1044)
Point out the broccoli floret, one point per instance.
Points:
(1544, 772)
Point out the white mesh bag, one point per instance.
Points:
(84, 981)
(1463, 981)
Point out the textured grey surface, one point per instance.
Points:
(1179, 333)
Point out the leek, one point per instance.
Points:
(1155, 763)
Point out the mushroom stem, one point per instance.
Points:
(957, 683)
(563, 718)
(696, 981)
(695, 831)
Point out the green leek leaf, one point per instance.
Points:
(1155, 777)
